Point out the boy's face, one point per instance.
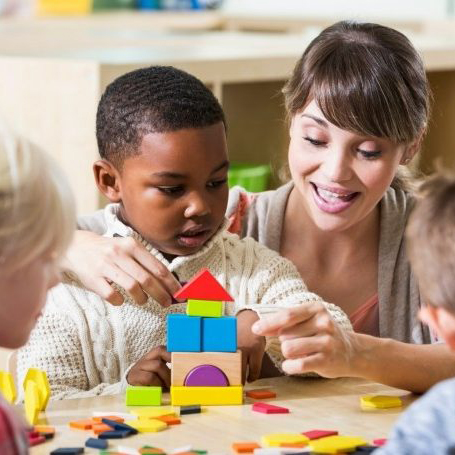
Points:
(174, 193)
(442, 322)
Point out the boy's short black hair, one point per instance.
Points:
(157, 99)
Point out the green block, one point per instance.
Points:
(204, 308)
(143, 396)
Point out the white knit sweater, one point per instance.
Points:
(87, 345)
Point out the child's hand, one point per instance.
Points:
(251, 345)
(151, 369)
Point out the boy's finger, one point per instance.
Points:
(157, 269)
(159, 368)
(273, 324)
(244, 366)
(159, 353)
(254, 365)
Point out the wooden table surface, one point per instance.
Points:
(331, 404)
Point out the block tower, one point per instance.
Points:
(206, 365)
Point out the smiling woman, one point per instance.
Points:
(358, 107)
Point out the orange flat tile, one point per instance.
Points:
(114, 418)
(170, 420)
(101, 428)
(152, 451)
(85, 424)
(245, 447)
(260, 394)
(44, 429)
(293, 444)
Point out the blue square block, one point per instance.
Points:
(219, 334)
(183, 333)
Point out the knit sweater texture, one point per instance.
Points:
(87, 345)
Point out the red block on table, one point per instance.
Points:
(318, 434)
(266, 408)
(34, 440)
(203, 286)
(260, 394)
(380, 442)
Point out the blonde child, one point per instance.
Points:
(428, 425)
(37, 221)
(162, 139)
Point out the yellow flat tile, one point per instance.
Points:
(276, 439)
(380, 401)
(147, 425)
(150, 413)
(336, 444)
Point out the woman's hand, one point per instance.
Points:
(311, 341)
(100, 261)
(151, 370)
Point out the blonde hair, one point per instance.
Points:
(431, 241)
(37, 214)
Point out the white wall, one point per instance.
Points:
(349, 9)
(3, 358)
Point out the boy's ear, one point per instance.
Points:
(107, 179)
(441, 321)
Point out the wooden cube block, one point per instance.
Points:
(183, 333)
(204, 308)
(219, 334)
(206, 396)
(229, 362)
(143, 396)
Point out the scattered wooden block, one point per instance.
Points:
(7, 387)
(147, 450)
(170, 420)
(380, 401)
(114, 418)
(99, 428)
(204, 308)
(119, 426)
(209, 396)
(114, 434)
(191, 409)
(96, 443)
(44, 429)
(68, 451)
(184, 362)
(380, 442)
(147, 425)
(31, 402)
(318, 434)
(279, 439)
(143, 396)
(260, 394)
(151, 413)
(266, 408)
(83, 424)
(34, 440)
(245, 447)
(40, 378)
(336, 444)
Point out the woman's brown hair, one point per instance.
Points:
(365, 78)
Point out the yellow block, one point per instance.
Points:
(336, 444)
(7, 386)
(39, 377)
(208, 396)
(147, 425)
(150, 413)
(380, 402)
(32, 402)
(276, 439)
(64, 6)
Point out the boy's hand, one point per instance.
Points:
(251, 345)
(152, 369)
(99, 261)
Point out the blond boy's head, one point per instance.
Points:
(37, 220)
(431, 245)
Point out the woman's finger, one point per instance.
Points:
(124, 280)
(301, 347)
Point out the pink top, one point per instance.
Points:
(366, 318)
(13, 438)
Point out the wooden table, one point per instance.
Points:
(331, 404)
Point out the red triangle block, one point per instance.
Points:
(203, 286)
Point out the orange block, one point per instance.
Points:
(113, 418)
(260, 394)
(44, 429)
(170, 420)
(152, 451)
(85, 424)
(245, 447)
(293, 444)
(101, 428)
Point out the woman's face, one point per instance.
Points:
(340, 176)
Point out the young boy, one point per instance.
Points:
(428, 426)
(37, 221)
(161, 136)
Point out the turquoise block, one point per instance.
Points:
(219, 334)
(183, 333)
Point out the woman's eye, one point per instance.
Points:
(171, 190)
(217, 183)
(314, 141)
(370, 155)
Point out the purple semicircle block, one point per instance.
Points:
(206, 376)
